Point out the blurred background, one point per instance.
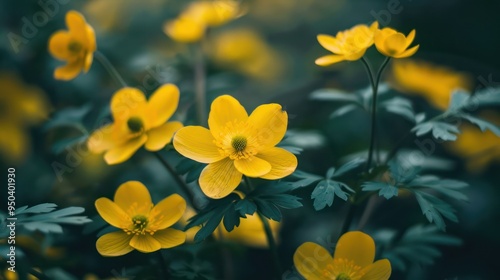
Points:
(266, 55)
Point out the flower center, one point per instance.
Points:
(135, 124)
(239, 143)
(139, 225)
(75, 47)
(343, 269)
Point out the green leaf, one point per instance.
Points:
(325, 192)
(482, 124)
(348, 167)
(333, 95)
(343, 110)
(384, 189)
(269, 210)
(231, 218)
(245, 207)
(459, 99)
(61, 145)
(49, 221)
(40, 208)
(72, 117)
(400, 106)
(440, 130)
(450, 188)
(434, 209)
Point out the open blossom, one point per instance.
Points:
(137, 122)
(391, 43)
(76, 46)
(348, 45)
(352, 260)
(237, 144)
(144, 226)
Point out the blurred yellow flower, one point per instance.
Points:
(137, 122)
(353, 259)
(75, 46)
(145, 226)
(191, 24)
(391, 43)
(348, 45)
(244, 50)
(435, 83)
(479, 149)
(10, 275)
(250, 232)
(236, 145)
(21, 105)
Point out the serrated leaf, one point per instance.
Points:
(348, 167)
(333, 95)
(245, 207)
(286, 201)
(459, 99)
(450, 188)
(269, 210)
(40, 208)
(434, 209)
(324, 193)
(43, 227)
(215, 217)
(400, 106)
(482, 124)
(384, 189)
(231, 218)
(440, 130)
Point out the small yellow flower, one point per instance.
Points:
(348, 45)
(391, 43)
(435, 83)
(75, 46)
(144, 226)
(137, 122)
(250, 232)
(236, 145)
(352, 260)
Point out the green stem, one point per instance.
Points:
(177, 178)
(374, 83)
(200, 85)
(272, 246)
(110, 68)
(351, 208)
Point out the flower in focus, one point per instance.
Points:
(250, 232)
(236, 145)
(21, 106)
(348, 45)
(137, 122)
(191, 24)
(391, 43)
(75, 46)
(144, 227)
(353, 259)
(435, 83)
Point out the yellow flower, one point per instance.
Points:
(75, 46)
(236, 145)
(435, 83)
(137, 122)
(250, 232)
(391, 43)
(10, 275)
(192, 23)
(352, 260)
(349, 44)
(144, 226)
(21, 106)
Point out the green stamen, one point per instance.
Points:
(74, 47)
(343, 276)
(135, 124)
(239, 143)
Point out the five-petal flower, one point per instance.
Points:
(391, 43)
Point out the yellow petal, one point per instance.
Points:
(408, 52)
(395, 44)
(77, 26)
(184, 30)
(163, 103)
(92, 46)
(330, 43)
(356, 246)
(58, 45)
(121, 153)
(160, 136)
(145, 243)
(112, 213)
(114, 244)
(283, 163)
(270, 122)
(167, 212)
(219, 179)
(225, 109)
(328, 60)
(197, 143)
(310, 259)
(410, 38)
(374, 26)
(380, 270)
(125, 102)
(89, 57)
(68, 71)
(353, 56)
(102, 139)
(133, 197)
(16, 146)
(170, 237)
(253, 166)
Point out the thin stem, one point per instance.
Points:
(176, 177)
(348, 218)
(200, 85)
(374, 83)
(372, 204)
(272, 246)
(110, 68)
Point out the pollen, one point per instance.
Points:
(342, 269)
(135, 124)
(139, 225)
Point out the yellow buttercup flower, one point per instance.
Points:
(236, 145)
(137, 122)
(192, 23)
(435, 83)
(391, 43)
(144, 226)
(348, 45)
(352, 260)
(75, 46)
